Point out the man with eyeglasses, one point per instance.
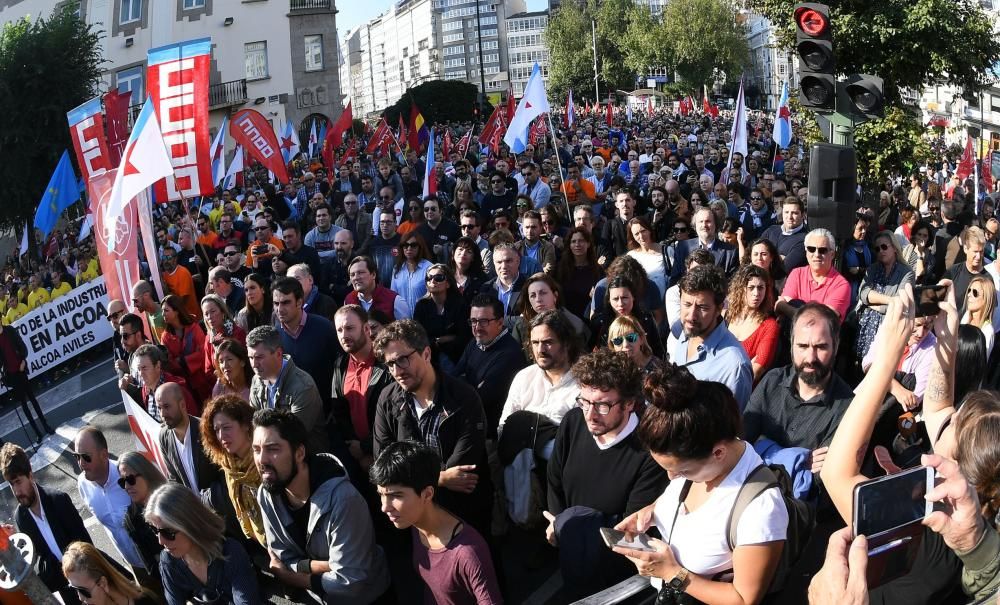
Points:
(47, 516)
(232, 259)
(360, 223)
(229, 233)
(598, 439)
(178, 281)
(530, 183)
(386, 204)
(818, 281)
(430, 407)
(116, 309)
(100, 490)
(309, 188)
(755, 216)
(438, 232)
(499, 196)
(264, 247)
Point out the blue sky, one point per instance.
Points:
(355, 12)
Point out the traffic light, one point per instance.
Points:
(833, 183)
(814, 44)
(863, 96)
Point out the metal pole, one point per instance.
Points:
(482, 74)
(593, 33)
(555, 147)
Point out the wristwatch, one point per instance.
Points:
(304, 566)
(680, 580)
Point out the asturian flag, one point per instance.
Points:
(313, 138)
(570, 111)
(218, 152)
(738, 136)
(533, 104)
(289, 143)
(782, 133)
(430, 183)
(144, 161)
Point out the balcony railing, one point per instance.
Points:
(227, 94)
(301, 5)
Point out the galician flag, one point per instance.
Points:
(313, 138)
(235, 167)
(628, 112)
(782, 133)
(430, 183)
(144, 161)
(738, 136)
(289, 143)
(570, 111)
(218, 152)
(533, 104)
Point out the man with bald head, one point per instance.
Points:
(180, 441)
(336, 271)
(116, 309)
(100, 491)
(144, 301)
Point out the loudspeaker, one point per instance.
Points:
(833, 184)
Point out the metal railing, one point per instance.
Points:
(298, 5)
(227, 94)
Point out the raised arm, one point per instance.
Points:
(939, 396)
(841, 470)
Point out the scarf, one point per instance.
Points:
(242, 481)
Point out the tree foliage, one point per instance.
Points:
(703, 36)
(47, 67)
(438, 100)
(895, 142)
(908, 43)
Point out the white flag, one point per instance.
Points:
(533, 104)
(738, 136)
(235, 167)
(24, 241)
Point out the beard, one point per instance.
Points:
(817, 376)
(279, 484)
(27, 500)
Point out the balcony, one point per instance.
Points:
(227, 94)
(307, 5)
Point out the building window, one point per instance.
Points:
(314, 53)
(131, 79)
(189, 4)
(131, 11)
(255, 55)
(422, 45)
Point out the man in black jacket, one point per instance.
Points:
(430, 407)
(48, 517)
(14, 360)
(180, 442)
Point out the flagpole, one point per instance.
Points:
(555, 148)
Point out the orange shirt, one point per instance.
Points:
(180, 283)
(266, 257)
(209, 240)
(571, 191)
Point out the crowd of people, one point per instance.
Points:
(617, 331)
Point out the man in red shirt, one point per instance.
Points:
(818, 281)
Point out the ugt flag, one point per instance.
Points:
(533, 104)
(782, 133)
(59, 195)
(144, 161)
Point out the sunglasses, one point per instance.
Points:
(821, 250)
(85, 457)
(228, 254)
(116, 315)
(680, 229)
(410, 245)
(128, 480)
(883, 247)
(261, 228)
(437, 278)
(167, 533)
(630, 338)
(974, 292)
(430, 208)
(125, 335)
(522, 205)
(86, 593)
(756, 198)
(464, 227)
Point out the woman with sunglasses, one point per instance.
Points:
(185, 343)
(466, 263)
(410, 269)
(578, 271)
(140, 478)
(414, 216)
(883, 280)
(227, 436)
(980, 306)
(919, 253)
(198, 563)
(621, 299)
(444, 314)
(750, 317)
(259, 310)
(98, 582)
(626, 334)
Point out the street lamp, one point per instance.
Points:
(482, 68)
(593, 33)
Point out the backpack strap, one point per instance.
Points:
(757, 482)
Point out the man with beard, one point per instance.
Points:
(755, 216)
(47, 516)
(599, 439)
(319, 532)
(385, 247)
(660, 217)
(335, 276)
(360, 223)
(705, 346)
(180, 442)
(800, 405)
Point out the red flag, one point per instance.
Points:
(401, 135)
(417, 128)
(649, 105)
(335, 136)
(381, 139)
(350, 152)
(446, 145)
(968, 162)
(463, 143)
(511, 108)
(493, 125)
(986, 171)
(252, 130)
(116, 111)
(705, 105)
(611, 115)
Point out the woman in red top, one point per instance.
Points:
(220, 325)
(185, 343)
(751, 319)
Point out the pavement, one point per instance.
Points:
(89, 395)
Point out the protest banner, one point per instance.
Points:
(86, 129)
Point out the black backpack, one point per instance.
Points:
(801, 517)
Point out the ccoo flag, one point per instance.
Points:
(59, 195)
(144, 161)
(533, 104)
(782, 133)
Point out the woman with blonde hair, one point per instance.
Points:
(97, 582)
(626, 334)
(219, 326)
(980, 305)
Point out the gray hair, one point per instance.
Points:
(831, 242)
(176, 507)
(144, 468)
(266, 335)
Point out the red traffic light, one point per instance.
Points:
(811, 21)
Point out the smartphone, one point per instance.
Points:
(927, 298)
(258, 250)
(888, 503)
(613, 537)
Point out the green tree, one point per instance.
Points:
(438, 101)
(905, 42)
(47, 67)
(704, 36)
(894, 142)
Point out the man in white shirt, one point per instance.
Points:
(180, 442)
(99, 490)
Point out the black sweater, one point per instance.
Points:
(616, 481)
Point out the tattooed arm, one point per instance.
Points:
(939, 397)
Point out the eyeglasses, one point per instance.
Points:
(464, 227)
(974, 292)
(437, 278)
(522, 204)
(430, 208)
(821, 250)
(165, 532)
(85, 457)
(128, 480)
(229, 254)
(473, 321)
(630, 338)
(115, 315)
(402, 362)
(86, 593)
(756, 198)
(497, 182)
(410, 245)
(126, 335)
(261, 228)
(603, 408)
(680, 229)
(883, 247)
